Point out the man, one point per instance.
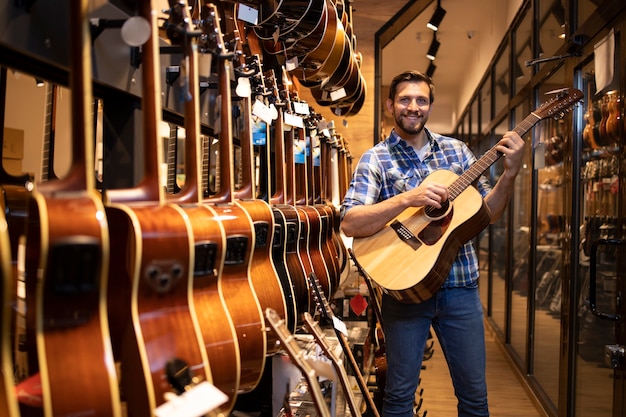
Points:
(388, 180)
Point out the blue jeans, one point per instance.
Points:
(456, 316)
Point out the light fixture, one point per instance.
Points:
(39, 82)
(435, 21)
(432, 49)
(431, 69)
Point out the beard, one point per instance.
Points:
(409, 127)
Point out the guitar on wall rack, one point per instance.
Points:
(209, 237)
(339, 328)
(237, 288)
(69, 300)
(296, 354)
(263, 274)
(282, 209)
(425, 240)
(157, 339)
(8, 402)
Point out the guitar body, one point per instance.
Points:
(313, 246)
(328, 247)
(151, 266)
(66, 263)
(220, 341)
(293, 260)
(279, 248)
(414, 274)
(263, 275)
(8, 401)
(239, 294)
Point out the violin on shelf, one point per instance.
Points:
(614, 117)
(591, 132)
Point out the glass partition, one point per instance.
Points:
(502, 78)
(554, 136)
(500, 247)
(523, 53)
(520, 228)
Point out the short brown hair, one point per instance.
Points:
(411, 76)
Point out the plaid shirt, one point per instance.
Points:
(392, 167)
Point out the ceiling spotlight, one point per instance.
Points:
(39, 82)
(435, 21)
(432, 50)
(431, 69)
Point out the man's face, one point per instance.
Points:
(410, 107)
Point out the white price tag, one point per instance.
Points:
(196, 402)
(301, 108)
(293, 120)
(340, 325)
(260, 110)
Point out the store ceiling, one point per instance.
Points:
(468, 34)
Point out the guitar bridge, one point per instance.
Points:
(406, 235)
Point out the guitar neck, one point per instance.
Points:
(322, 341)
(327, 313)
(297, 356)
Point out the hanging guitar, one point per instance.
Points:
(209, 238)
(282, 208)
(65, 261)
(267, 284)
(8, 402)
(237, 288)
(156, 336)
(411, 256)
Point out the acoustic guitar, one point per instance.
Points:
(237, 288)
(157, 338)
(8, 400)
(209, 237)
(266, 282)
(315, 219)
(73, 348)
(411, 256)
(278, 200)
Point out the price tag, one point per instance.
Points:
(196, 402)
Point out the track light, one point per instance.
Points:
(432, 50)
(435, 21)
(431, 69)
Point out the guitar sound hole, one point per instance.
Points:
(437, 213)
(205, 254)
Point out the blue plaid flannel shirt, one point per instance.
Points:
(392, 167)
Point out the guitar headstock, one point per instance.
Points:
(212, 39)
(320, 299)
(561, 103)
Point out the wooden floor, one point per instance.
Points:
(507, 395)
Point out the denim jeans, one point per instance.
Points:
(456, 316)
